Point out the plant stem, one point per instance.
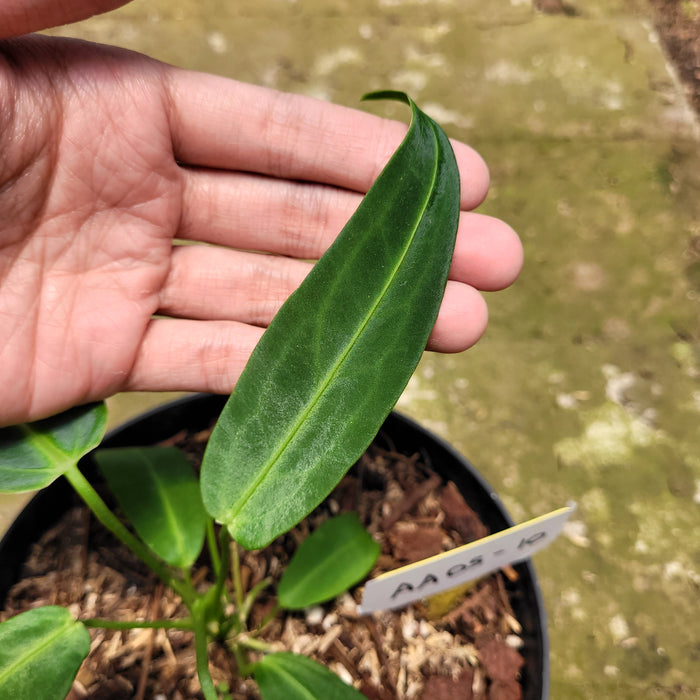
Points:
(237, 583)
(183, 624)
(244, 668)
(213, 549)
(225, 549)
(255, 644)
(200, 644)
(85, 490)
(267, 618)
(252, 596)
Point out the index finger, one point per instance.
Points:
(221, 123)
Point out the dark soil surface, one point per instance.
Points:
(678, 23)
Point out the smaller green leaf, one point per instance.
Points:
(159, 494)
(32, 455)
(331, 559)
(40, 652)
(287, 676)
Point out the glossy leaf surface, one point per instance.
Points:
(340, 351)
(32, 455)
(329, 561)
(287, 676)
(40, 652)
(158, 491)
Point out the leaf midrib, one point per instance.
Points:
(347, 546)
(336, 367)
(170, 516)
(293, 682)
(337, 555)
(25, 658)
(44, 445)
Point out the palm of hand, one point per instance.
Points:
(98, 202)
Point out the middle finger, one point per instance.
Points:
(300, 220)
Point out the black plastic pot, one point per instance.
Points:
(196, 413)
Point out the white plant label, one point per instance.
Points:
(397, 588)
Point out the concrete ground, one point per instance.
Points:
(587, 384)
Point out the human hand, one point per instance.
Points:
(108, 156)
(24, 16)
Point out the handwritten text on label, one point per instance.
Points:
(424, 578)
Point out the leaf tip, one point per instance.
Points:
(388, 95)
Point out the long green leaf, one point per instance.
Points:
(40, 652)
(337, 356)
(287, 676)
(159, 493)
(32, 455)
(330, 560)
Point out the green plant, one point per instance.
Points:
(316, 390)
